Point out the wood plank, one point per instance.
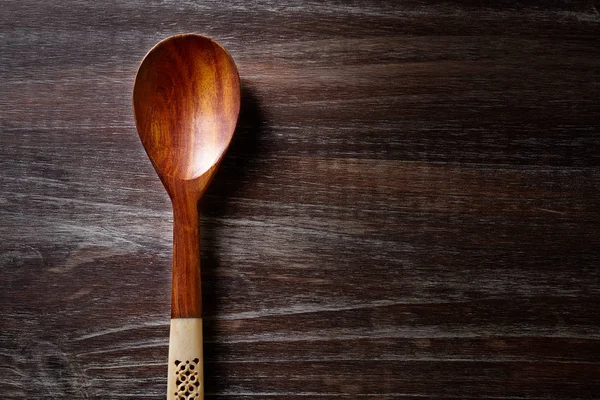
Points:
(409, 208)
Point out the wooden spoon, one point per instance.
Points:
(186, 101)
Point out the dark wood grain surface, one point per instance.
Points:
(410, 207)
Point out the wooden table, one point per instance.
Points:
(410, 208)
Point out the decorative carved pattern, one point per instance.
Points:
(187, 382)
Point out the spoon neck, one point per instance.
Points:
(185, 214)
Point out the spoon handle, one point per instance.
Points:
(186, 295)
(185, 372)
(186, 369)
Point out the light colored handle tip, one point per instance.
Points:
(186, 367)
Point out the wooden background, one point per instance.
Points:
(410, 208)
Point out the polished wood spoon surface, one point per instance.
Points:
(186, 101)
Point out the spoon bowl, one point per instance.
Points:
(186, 101)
